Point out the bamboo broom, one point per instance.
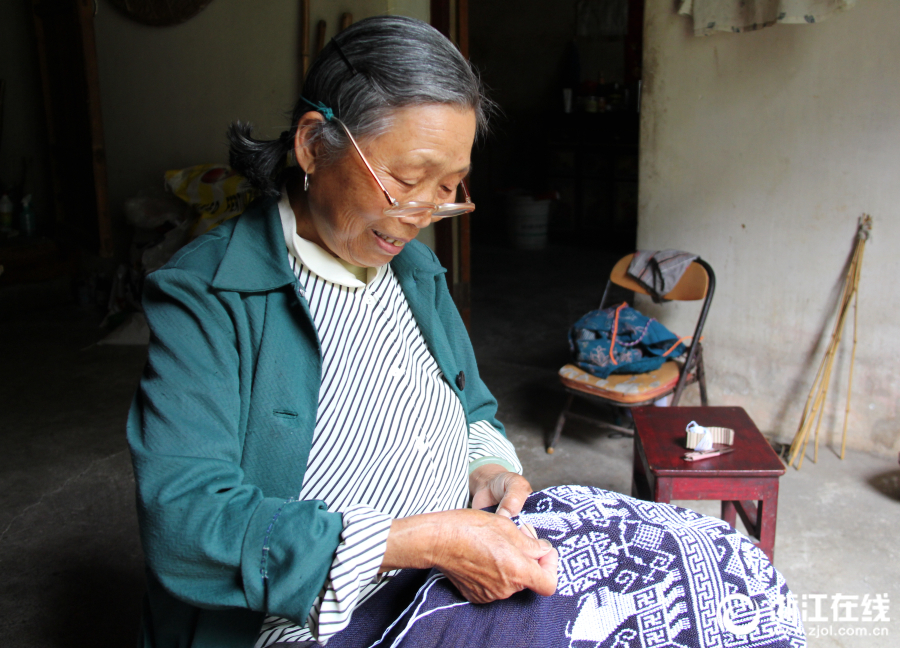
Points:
(814, 409)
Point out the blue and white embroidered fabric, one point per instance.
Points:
(632, 574)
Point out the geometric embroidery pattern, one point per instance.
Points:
(632, 574)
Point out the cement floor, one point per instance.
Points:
(70, 557)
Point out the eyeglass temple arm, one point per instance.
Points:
(465, 190)
(391, 200)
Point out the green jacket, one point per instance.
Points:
(222, 424)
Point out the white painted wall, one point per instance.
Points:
(169, 94)
(759, 151)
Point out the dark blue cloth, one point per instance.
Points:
(631, 574)
(639, 347)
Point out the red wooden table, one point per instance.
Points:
(746, 480)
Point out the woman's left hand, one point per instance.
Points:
(492, 484)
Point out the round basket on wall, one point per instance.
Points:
(161, 13)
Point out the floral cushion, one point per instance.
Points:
(624, 388)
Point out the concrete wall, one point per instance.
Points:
(759, 151)
(168, 94)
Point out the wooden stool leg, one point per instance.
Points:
(766, 517)
(560, 422)
(640, 486)
(729, 514)
(662, 490)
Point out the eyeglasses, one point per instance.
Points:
(413, 208)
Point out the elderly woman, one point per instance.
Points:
(311, 420)
(311, 417)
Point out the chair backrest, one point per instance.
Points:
(697, 282)
(692, 286)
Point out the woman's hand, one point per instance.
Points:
(485, 555)
(488, 558)
(492, 484)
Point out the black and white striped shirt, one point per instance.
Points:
(391, 438)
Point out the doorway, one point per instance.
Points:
(566, 76)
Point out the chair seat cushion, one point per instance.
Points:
(623, 388)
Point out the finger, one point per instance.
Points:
(483, 476)
(541, 574)
(543, 577)
(516, 492)
(483, 499)
(549, 565)
(545, 546)
(549, 560)
(535, 549)
(528, 530)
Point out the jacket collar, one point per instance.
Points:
(256, 258)
(416, 259)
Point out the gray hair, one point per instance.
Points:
(364, 75)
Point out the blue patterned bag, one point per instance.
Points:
(639, 343)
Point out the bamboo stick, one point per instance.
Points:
(818, 412)
(835, 346)
(826, 385)
(819, 389)
(812, 392)
(304, 41)
(814, 408)
(813, 412)
(850, 378)
(320, 36)
(863, 234)
(800, 443)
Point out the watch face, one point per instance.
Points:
(161, 13)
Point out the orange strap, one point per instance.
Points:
(680, 340)
(612, 342)
(674, 346)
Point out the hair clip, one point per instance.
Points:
(344, 56)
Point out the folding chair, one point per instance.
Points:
(633, 390)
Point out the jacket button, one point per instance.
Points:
(461, 380)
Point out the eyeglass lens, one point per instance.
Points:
(420, 209)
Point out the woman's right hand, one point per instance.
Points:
(485, 555)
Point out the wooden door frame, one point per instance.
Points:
(101, 241)
(453, 235)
